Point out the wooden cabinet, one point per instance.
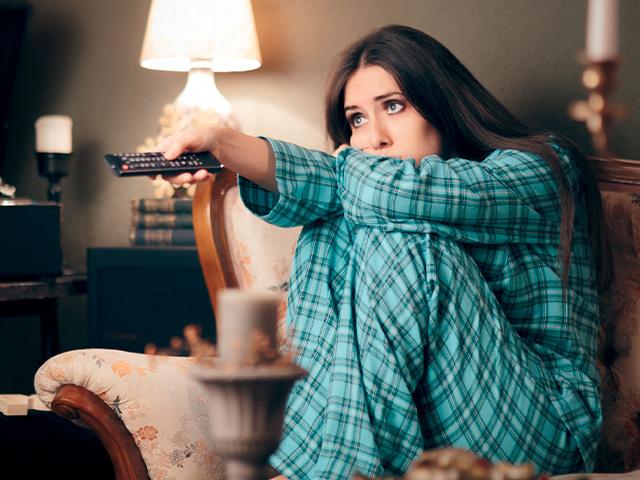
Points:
(141, 295)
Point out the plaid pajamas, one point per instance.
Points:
(426, 304)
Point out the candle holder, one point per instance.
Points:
(53, 166)
(598, 112)
(246, 412)
(248, 383)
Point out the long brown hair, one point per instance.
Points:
(470, 120)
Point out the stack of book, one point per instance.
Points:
(162, 222)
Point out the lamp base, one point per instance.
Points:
(53, 166)
(199, 104)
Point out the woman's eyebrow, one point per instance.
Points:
(378, 98)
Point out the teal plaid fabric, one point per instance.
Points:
(426, 304)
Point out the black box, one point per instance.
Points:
(30, 245)
(140, 295)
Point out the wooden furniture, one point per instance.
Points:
(211, 238)
(73, 401)
(616, 174)
(40, 297)
(142, 295)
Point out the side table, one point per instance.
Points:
(141, 295)
(40, 297)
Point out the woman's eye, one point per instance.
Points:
(357, 120)
(394, 107)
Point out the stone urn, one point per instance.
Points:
(246, 413)
(247, 384)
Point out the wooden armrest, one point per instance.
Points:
(73, 401)
(211, 239)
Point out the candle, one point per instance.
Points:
(53, 134)
(602, 30)
(246, 326)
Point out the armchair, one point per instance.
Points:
(148, 413)
(151, 416)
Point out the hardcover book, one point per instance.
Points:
(169, 205)
(161, 220)
(183, 237)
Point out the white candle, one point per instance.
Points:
(602, 30)
(246, 326)
(53, 134)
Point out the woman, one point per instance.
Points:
(444, 287)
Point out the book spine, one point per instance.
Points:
(167, 205)
(162, 237)
(162, 220)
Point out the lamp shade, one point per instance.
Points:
(216, 34)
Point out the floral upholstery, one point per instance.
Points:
(619, 355)
(141, 390)
(261, 254)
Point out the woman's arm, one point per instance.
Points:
(284, 184)
(250, 157)
(511, 196)
(306, 186)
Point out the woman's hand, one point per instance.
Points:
(248, 156)
(202, 139)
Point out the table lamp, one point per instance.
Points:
(200, 37)
(53, 149)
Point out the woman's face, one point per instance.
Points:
(382, 121)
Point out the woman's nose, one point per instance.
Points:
(379, 136)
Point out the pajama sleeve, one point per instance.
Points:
(510, 197)
(307, 189)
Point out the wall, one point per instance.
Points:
(81, 59)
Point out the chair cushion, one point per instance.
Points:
(261, 253)
(161, 405)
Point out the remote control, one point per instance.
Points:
(154, 163)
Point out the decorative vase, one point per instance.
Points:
(248, 383)
(246, 412)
